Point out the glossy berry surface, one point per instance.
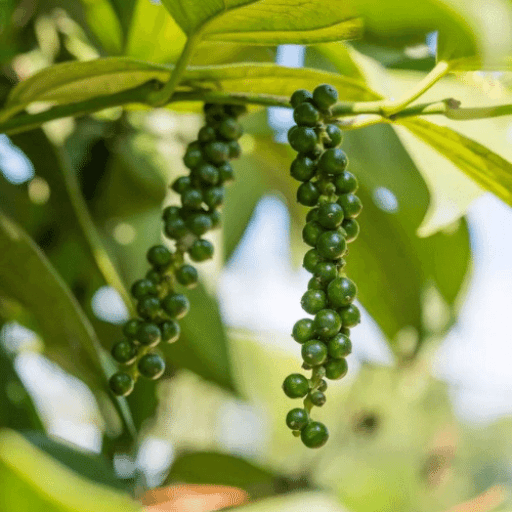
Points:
(308, 194)
(350, 316)
(208, 174)
(121, 384)
(226, 173)
(313, 301)
(170, 330)
(340, 346)
(303, 330)
(333, 161)
(314, 434)
(151, 366)
(142, 288)
(351, 227)
(149, 334)
(314, 352)
(199, 224)
(310, 233)
(336, 369)
(345, 183)
(214, 196)
(217, 152)
(341, 292)
(330, 215)
(192, 198)
(297, 419)
(159, 256)
(311, 260)
(124, 352)
(327, 323)
(175, 228)
(302, 139)
(325, 96)
(131, 327)
(300, 96)
(306, 114)
(302, 168)
(149, 307)
(296, 386)
(201, 250)
(334, 134)
(331, 245)
(181, 184)
(351, 205)
(325, 272)
(176, 305)
(187, 276)
(317, 398)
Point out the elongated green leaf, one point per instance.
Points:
(77, 81)
(73, 342)
(266, 22)
(487, 168)
(32, 481)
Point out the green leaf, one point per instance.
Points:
(269, 22)
(221, 469)
(488, 169)
(77, 81)
(31, 481)
(73, 342)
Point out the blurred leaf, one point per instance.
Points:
(31, 481)
(271, 23)
(487, 168)
(104, 23)
(220, 469)
(17, 411)
(77, 81)
(125, 11)
(95, 468)
(334, 57)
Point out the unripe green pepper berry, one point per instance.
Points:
(340, 346)
(316, 284)
(351, 205)
(187, 276)
(331, 245)
(176, 305)
(345, 331)
(159, 256)
(199, 224)
(192, 198)
(312, 215)
(216, 152)
(303, 330)
(297, 419)
(201, 250)
(230, 129)
(332, 162)
(308, 194)
(193, 157)
(311, 260)
(170, 331)
(234, 110)
(323, 386)
(310, 233)
(334, 134)
(175, 228)
(143, 287)
(181, 184)
(124, 352)
(341, 292)
(306, 114)
(149, 307)
(302, 139)
(300, 96)
(314, 434)
(346, 183)
(327, 323)
(234, 149)
(151, 366)
(325, 272)
(214, 196)
(208, 174)
(302, 168)
(314, 352)
(317, 398)
(206, 134)
(131, 327)
(325, 96)
(350, 315)
(170, 212)
(296, 386)
(215, 217)
(336, 369)
(330, 215)
(149, 334)
(226, 173)
(313, 301)
(351, 227)
(121, 384)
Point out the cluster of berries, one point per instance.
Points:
(329, 189)
(159, 305)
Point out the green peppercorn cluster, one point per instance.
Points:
(327, 187)
(160, 305)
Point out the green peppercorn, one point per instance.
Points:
(121, 384)
(175, 228)
(192, 198)
(327, 323)
(151, 366)
(302, 168)
(193, 157)
(317, 398)
(214, 196)
(316, 284)
(325, 272)
(201, 250)
(331, 245)
(124, 352)
(200, 223)
(176, 305)
(314, 352)
(323, 386)
(171, 212)
(149, 334)
(341, 292)
(181, 184)
(131, 327)
(296, 386)
(187, 276)
(336, 369)
(235, 110)
(346, 183)
(302, 139)
(310, 233)
(306, 114)
(234, 149)
(170, 331)
(351, 228)
(314, 434)
(208, 174)
(330, 215)
(206, 134)
(325, 96)
(297, 419)
(300, 96)
(217, 152)
(215, 217)
(159, 256)
(308, 194)
(351, 205)
(311, 260)
(350, 315)
(230, 129)
(334, 134)
(149, 307)
(340, 346)
(226, 173)
(312, 215)
(303, 330)
(332, 162)
(143, 287)
(313, 301)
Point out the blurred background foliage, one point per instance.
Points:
(80, 204)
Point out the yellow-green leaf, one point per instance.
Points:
(32, 481)
(266, 21)
(487, 168)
